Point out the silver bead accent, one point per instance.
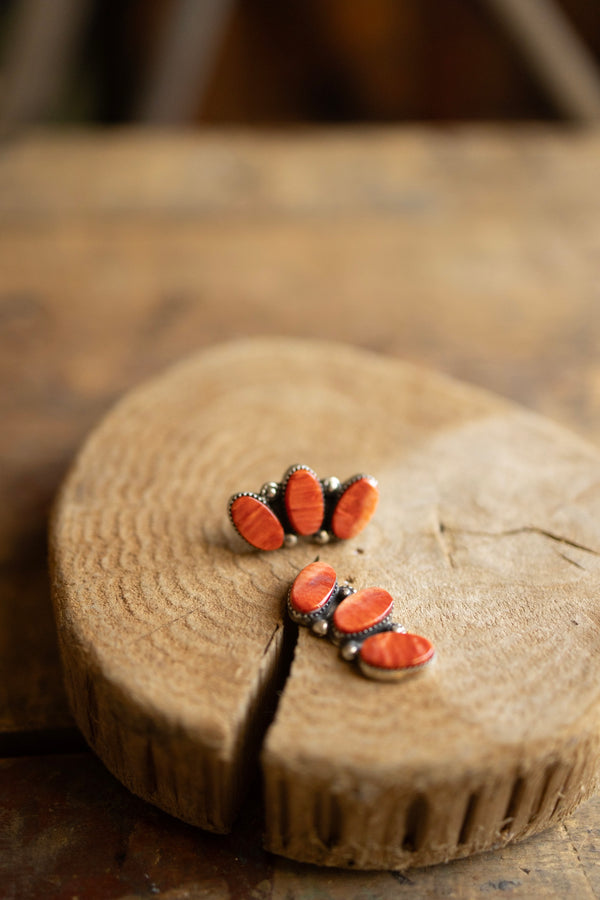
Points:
(320, 627)
(332, 484)
(400, 629)
(349, 650)
(290, 540)
(345, 590)
(322, 537)
(269, 489)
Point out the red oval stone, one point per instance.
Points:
(362, 610)
(312, 588)
(355, 507)
(304, 501)
(394, 650)
(256, 522)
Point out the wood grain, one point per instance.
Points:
(487, 535)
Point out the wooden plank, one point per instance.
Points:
(68, 829)
(412, 173)
(546, 866)
(581, 833)
(476, 253)
(493, 305)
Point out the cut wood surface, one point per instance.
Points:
(487, 535)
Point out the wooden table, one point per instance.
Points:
(472, 250)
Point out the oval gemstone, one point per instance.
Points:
(256, 522)
(362, 610)
(304, 501)
(394, 650)
(312, 588)
(355, 507)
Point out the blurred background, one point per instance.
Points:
(257, 62)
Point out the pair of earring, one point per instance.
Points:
(359, 622)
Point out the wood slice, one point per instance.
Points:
(487, 534)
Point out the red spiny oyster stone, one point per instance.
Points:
(304, 501)
(362, 610)
(312, 588)
(355, 507)
(394, 650)
(256, 522)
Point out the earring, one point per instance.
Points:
(303, 505)
(358, 622)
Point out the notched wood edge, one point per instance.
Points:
(402, 826)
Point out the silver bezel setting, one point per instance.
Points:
(300, 467)
(255, 496)
(361, 475)
(308, 619)
(339, 493)
(341, 637)
(379, 674)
